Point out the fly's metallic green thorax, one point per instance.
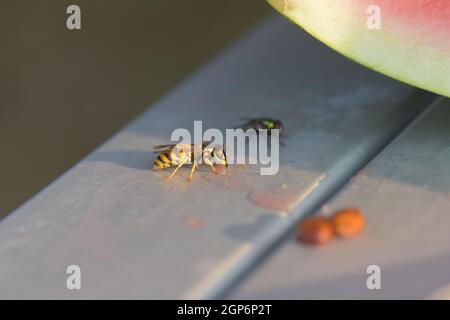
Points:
(268, 123)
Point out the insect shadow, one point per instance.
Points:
(133, 159)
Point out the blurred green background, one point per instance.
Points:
(64, 92)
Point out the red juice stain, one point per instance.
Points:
(258, 190)
(278, 198)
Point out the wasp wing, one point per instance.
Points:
(164, 147)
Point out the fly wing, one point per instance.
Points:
(248, 124)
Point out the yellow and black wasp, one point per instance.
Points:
(177, 155)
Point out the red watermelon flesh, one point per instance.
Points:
(411, 45)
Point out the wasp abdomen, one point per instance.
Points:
(164, 160)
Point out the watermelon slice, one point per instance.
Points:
(408, 40)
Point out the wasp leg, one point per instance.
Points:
(211, 164)
(176, 169)
(194, 165)
(213, 169)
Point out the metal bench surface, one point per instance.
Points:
(136, 236)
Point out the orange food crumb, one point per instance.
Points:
(315, 231)
(194, 222)
(348, 223)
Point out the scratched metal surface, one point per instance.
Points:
(136, 236)
(405, 195)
